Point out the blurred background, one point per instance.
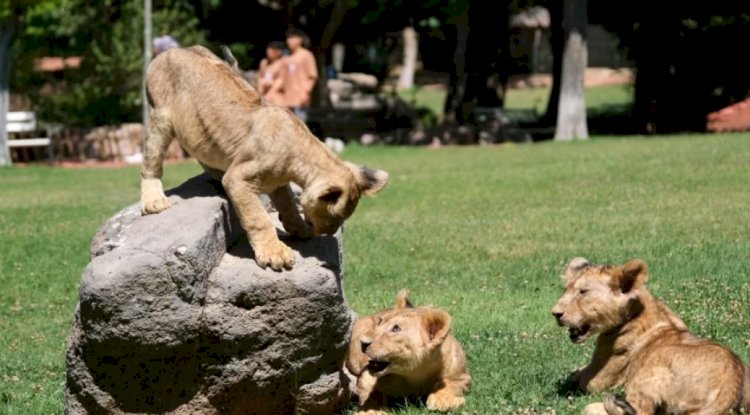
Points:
(398, 72)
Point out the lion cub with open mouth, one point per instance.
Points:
(645, 347)
(407, 351)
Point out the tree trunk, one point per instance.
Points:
(455, 103)
(320, 96)
(489, 53)
(324, 45)
(656, 92)
(411, 48)
(571, 114)
(7, 35)
(557, 39)
(479, 77)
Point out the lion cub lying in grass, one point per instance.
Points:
(407, 351)
(645, 347)
(254, 147)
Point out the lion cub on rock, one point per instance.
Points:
(254, 147)
(645, 347)
(407, 351)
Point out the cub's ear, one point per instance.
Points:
(370, 181)
(633, 273)
(331, 194)
(575, 265)
(325, 192)
(402, 300)
(437, 324)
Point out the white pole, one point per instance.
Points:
(146, 58)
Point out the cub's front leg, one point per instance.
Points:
(448, 394)
(158, 137)
(596, 408)
(243, 187)
(283, 200)
(375, 404)
(597, 378)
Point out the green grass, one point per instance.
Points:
(47, 219)
(483, 232)
(598, 98)
(430, 98)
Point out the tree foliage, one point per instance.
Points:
(689, 60)
(12, 15)
(15, 9)
(108, 35)
(687, 57)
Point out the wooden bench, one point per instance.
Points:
(21, 125)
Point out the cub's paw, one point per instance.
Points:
(154, 204)
(444, 401)
(153, 199)
(275, 255)
(596, 408)
(300, 230)
(365, 385)
(371, 412)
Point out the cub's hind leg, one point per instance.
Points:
(155, 143)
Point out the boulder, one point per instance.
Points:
(175, 317)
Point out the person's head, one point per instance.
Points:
(274, 50)
(295, 38)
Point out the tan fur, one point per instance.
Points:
(643, 346)
(423, 358)
(254, 147)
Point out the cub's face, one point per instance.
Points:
(400, 340)
(328, 212)
(599, 298)
(329, 203)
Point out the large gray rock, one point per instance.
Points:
(176, 317)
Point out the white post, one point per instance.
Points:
(411, 49)
(337, 56)
(6, 42)
(146, 58)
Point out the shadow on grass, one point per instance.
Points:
(613, 119)
(569, 385)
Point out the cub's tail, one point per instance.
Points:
(616, 404)
(229, 57)
(745, 402)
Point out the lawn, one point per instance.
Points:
(482, 231)
(598, 98)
